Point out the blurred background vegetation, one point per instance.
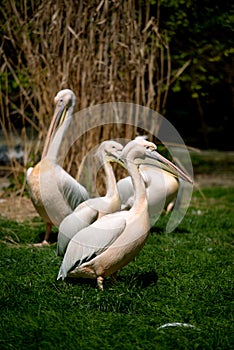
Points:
(174, 56)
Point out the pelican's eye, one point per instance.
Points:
(151, 148)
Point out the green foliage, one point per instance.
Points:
(184, 276)
(203, 31)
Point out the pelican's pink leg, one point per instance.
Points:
(48, 232)
(46, 238)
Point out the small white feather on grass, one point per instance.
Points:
(176, 324)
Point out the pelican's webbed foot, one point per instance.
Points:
(44, 243)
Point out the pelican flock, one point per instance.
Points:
(111, 242)
(99, 236)
(54, 193)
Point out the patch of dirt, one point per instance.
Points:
(222, 180)
(17, 208)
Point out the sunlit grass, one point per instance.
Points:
(185, 276)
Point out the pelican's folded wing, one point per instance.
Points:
(91, 241)
(73, 192)
(82, 217)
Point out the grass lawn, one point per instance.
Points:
(185, 276)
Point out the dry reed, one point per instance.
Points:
(104, 51)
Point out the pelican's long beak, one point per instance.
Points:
(155, 159)
(57, 120)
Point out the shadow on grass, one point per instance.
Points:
(81, 282)
(53, 236)
(136, 279)
(139, 280)
(161, 230)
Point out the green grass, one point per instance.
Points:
(185, 276)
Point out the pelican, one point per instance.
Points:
(54, 193)
(94, 208)
(111, 242)
(161, 184)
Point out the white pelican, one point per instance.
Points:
(54, 193)
(94, 208)
(114, 240)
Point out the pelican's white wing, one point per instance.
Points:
(91, 241)
(82, 217)
(73, 192)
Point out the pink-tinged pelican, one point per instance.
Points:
(114, 240)
(94, 208)
(54, 193)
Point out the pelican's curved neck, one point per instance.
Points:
(54, 146)
(138, 185)
(111, 187)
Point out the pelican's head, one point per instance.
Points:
(110, 151)
(136, 149)
(65, 101)
(141, 151)
(65, 97)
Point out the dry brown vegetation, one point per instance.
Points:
(103, 50)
